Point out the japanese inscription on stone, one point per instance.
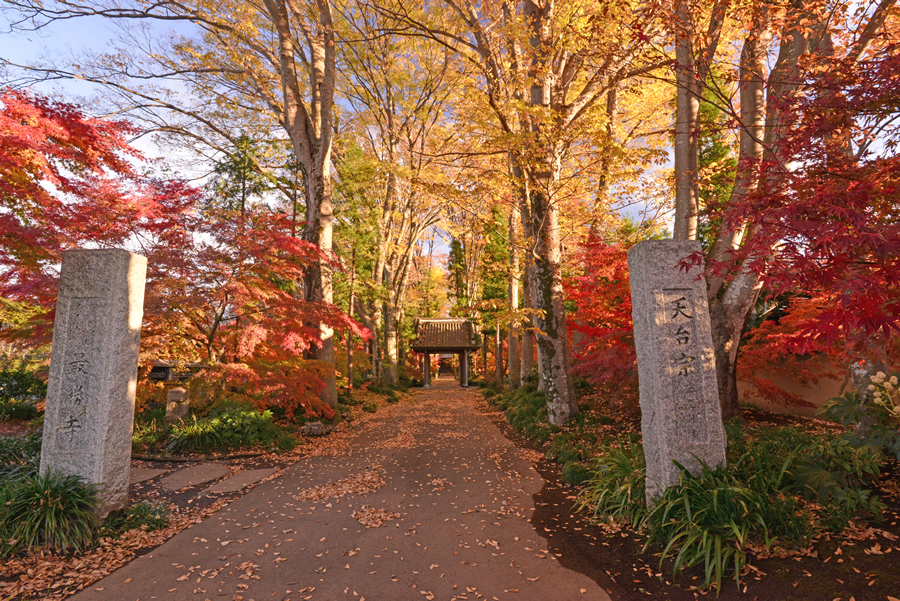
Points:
(93, 371)
(676, 312)
(680, 414)
(77, 399)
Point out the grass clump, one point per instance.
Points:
(54, 510)
(349, 401)
(570, 446)
(147, 516)
(151, 432)
(615, 490)
(781, 486)
(370, 407)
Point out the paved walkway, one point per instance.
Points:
(424, 500)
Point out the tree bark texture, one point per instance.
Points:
(311, 130)
(515, 366)
(498, 355)
(543, 178)
(527, 333)
(687, 114)
(731, 302)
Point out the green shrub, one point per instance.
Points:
(286, 441)
(392, 398)
(565, 448)
(223, 431)
(383, 389)
(880, 414)
(350, 401)
(837, 473)
(370, 407)
(150, 516)
(17, 410)
(19, 385)
(20, 456)
(150, 434)
(575, 474)
(19, 449)
(526, 411)
(582, 386)
(55, 510)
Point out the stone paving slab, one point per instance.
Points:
(195, 475)
(142, 474)
(241, 480)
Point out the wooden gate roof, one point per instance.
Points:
(448, 334)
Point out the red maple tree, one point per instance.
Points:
(602, 295)
(828, 226)
(220, 287)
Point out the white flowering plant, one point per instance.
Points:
(885, 393)
(879, 411)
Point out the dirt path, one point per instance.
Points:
(424, 500)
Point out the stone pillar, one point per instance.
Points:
(426, 370)
(464, 369)
(93, 371)
(681, 419)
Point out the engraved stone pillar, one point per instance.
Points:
(93, 371)
(426, 370)
(681, 419)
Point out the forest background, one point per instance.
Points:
(363, 164)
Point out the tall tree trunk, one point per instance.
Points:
(687, 113)
(729, 308)
(311, 130)
(349, 332)
(527, 351)
(498, 355)
(389, 362)
(692, 63)
(484, 349)
(397, 283)
(730, 305)
(543, 178)
(515, 368)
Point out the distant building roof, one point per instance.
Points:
(447, 334)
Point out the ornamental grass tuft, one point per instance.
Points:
(53, 510)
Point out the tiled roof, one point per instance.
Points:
(441, 334)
